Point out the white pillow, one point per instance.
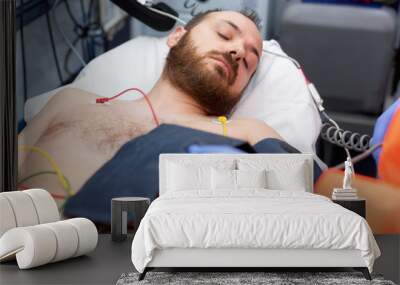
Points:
(186, 174)
(187, 177)
(295, 180)
(281, 174)
(251, 178)
(277, 93)
(223, 179)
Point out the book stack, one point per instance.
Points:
(344, 194)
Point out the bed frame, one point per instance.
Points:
(260, 259)
(248, 259)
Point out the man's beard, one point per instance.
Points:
(188, 71)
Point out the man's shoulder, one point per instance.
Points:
(248, 122)
(255, 129)
(74, 96)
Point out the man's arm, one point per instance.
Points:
(256, 130)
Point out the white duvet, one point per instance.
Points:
(252, 218)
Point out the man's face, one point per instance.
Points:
(215, 60)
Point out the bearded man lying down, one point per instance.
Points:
(109, 150)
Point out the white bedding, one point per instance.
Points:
(251, 218)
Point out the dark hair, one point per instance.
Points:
(247, 12)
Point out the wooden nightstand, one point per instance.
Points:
(356, 205)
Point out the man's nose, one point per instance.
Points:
(237, 53)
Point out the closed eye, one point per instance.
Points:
(223, 36)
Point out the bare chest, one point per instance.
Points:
(100, 128)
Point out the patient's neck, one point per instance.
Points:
(167, 101)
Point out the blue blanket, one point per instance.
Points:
(133, 171)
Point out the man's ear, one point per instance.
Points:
(175, 36)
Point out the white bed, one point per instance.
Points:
(200, 225)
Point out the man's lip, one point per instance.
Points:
(227, 66)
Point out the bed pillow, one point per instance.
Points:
(295, 180)
(187, 177)
(251, 178)
(278, 180)
(280, 174)
(185, 174)
(223, 179)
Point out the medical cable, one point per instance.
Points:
(22, 187)
(106, 99)
(330, 129)
(223, 120)
(345, 139)
(86, 30)
(53, 45)
(339, 137)
(67, 41)
(42, 173)
(167, 15)
(148, 4)
(61, 178)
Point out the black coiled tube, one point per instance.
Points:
(346, 139)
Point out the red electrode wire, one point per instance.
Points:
(105, 99)
(305, 77)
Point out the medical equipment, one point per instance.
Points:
(67, 41)
(106, 99)
(331, 131)
(64, 182)
(53, 164)
(160, 16)
(222, 120)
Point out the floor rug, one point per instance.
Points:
(269, 278)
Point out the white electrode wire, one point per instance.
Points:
(296, 63)
(341, 137)
(167, 15)
(284, 56)
(67, 41)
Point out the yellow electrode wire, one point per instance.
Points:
(53, 164)
(223, 120)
